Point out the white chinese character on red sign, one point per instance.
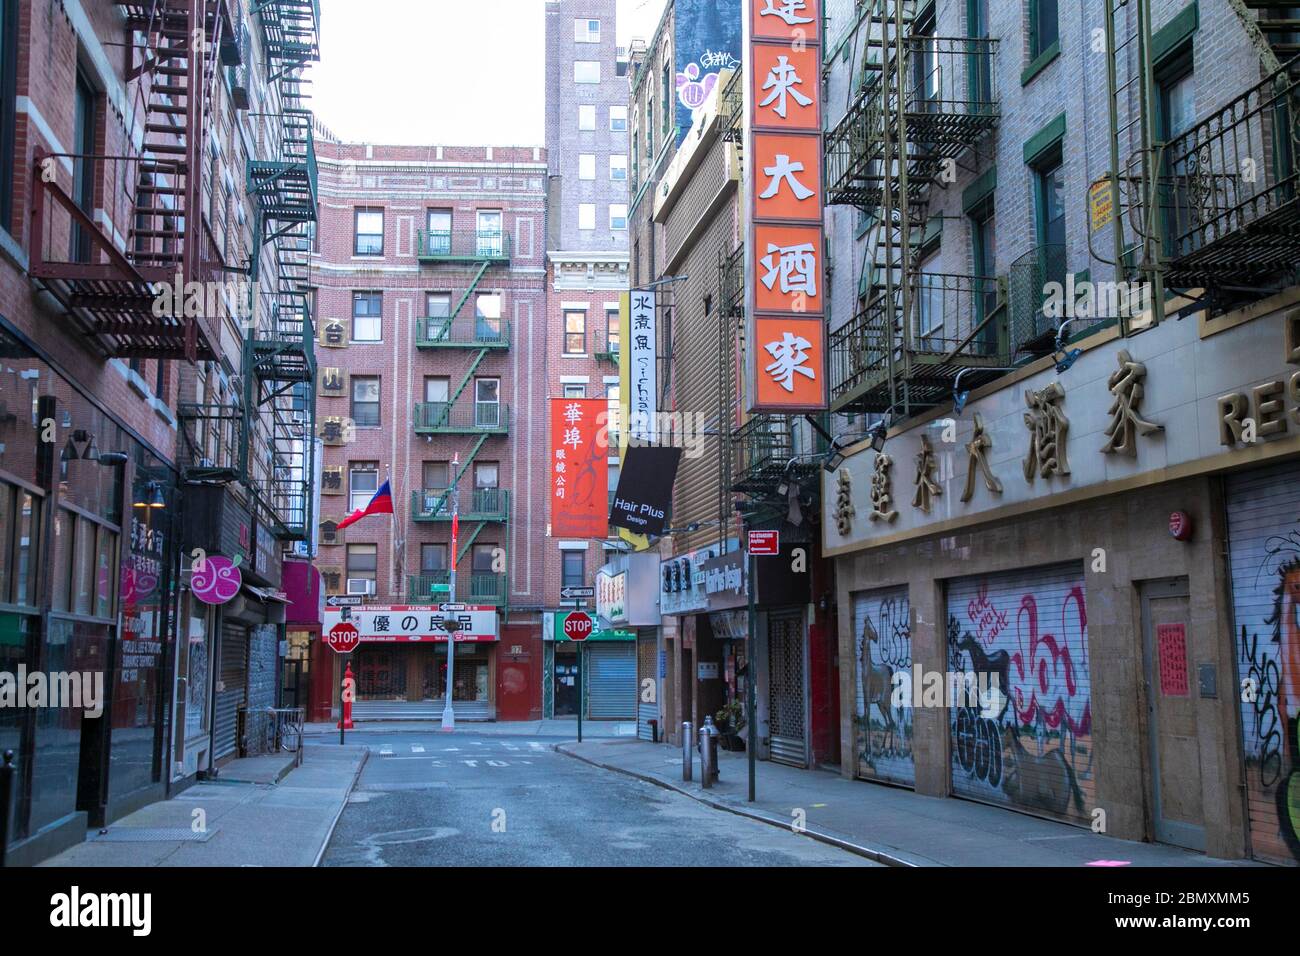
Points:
(784, 171)
(788, 10)
(795, 265)
(791, 352)
(782, 80)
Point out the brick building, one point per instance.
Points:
(429, 284)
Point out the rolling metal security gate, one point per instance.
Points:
(611, 687)
(786, 699)
(1026, 742)
(882, 648)
(233, 675)
(1264, 556)
(647, 666)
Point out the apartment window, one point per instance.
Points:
(438, 240)
(929, 305)
(83, 169)
(586, 215)
(363, 482)
(586, 71)
(575, 391)
(484, 557)
(618, 167)
(362, 565)
(984, 261)
(487, 316)
(488, 235)
(665, 90)
(367, 316)
(486, 474)
(1176, 97)
(586, 165)
(1049, 179)
(586, 31)
(1044, 30)
(437, 312)
(487, 402)
(433, 474)
(618, 215)
(365, 401)
(575, 332)
(612, 480)
(611, 399)
(586, 118)
(8, 105)
(436, 389)
(574, 569)
(611, 330)
(618, 119)
(433, 558)
(369, 232)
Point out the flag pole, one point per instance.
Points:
(448, 713)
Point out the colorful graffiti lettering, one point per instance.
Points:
(692, 90)
(1047, 667)
(989, 621)
(884, 649)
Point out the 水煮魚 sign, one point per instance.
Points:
(579, 467)
(785, 364)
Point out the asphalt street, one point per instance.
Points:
(466, 799)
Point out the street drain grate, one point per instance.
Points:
(151, 835)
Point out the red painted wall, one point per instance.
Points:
(519, 676)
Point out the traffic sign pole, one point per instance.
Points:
(751, 673)
(448, 712)
(582, 647)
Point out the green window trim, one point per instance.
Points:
(1038, 145)
(1170, 38)
(1040, 63)
(980, 190)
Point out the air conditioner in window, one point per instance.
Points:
(362, 586)
(205, 462)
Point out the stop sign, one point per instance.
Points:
(343, 638)
(577, 626)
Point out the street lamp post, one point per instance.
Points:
(448, 714)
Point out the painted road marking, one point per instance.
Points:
(416, 749)
(385, 750)
(470, 763)
(497, 763)
(534, 745)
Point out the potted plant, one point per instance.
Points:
(731, 721)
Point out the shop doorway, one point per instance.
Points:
(1178, 816)
(566, 682)
(787, 708)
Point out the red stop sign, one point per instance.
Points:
(577, 626)
(343, 638)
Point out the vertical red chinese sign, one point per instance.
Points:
(784, 311)
(579, 467)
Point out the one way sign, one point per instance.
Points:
(573, 594)
(336, 600)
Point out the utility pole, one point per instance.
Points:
(751, 674)
(448, 714)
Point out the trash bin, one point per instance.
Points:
(708, 753)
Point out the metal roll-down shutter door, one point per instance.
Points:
(611, 684)
(787, 706)
(233, 675)
(647, 662)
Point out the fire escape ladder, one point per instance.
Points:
(435, 507)
(469, 374)
(478, 276)
(469, 542)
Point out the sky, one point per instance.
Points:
(436, 72)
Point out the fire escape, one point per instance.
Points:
(279, 361)
(109, 230)
(922, 102)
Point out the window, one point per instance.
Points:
(618, 215)
(586, 71)
(438, 240)
(433, 558)
(575, 332)
(1176, 98)
(574, 569)
(483, 559)
(487, 316)
(367, 316)
(487, 402)
(611, 331)
(586, 31)
(363, 482)
(618, 119)
(586, 165)
(586, 215)
(8, 101)
(618, 167)
(984, 261)
(363, 565)
(929, 306)
(83, 175)
(1044, 30)
(20, 537)
(433, 474)
(486, 474)
(665, 91)
(1050, 202)
(437, 311)
(488, 236)
(611, 398)
(436, 389)
(586, 118)
(365, 401)
(575, 391)
(612, 482)
(369, 232)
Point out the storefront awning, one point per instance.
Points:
(267, 594)
(612, 634)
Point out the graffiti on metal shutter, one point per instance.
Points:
(883, 648)
(1028, 631)
(1264, 537)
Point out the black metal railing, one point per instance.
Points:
(432, 331)
(477, 504)
(444, 244)
(462, 416)
(1032, 283)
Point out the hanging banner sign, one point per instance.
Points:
(641, 368)
(424, 622)
(644, 497)
(785, 363)
(579, 467)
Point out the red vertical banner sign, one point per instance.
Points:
(785, 316)
(579, 467)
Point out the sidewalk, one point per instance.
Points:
(251, 820)
(566, 727)
(888, 824)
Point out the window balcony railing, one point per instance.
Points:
(472, 587)
(447, 246)
(476, 504)
(1032, 329)
(463, 331)
(428, 587)
(461, 418)
(605, 348)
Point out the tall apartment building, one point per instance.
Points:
(586, 273)
(430, 288)
(156, 368)
(1066, 497)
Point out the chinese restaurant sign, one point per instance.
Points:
(391, 623)
(579, 467)
(784, 311)
(641, 367)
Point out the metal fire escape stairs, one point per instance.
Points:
(279, 371)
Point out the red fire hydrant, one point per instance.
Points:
(349, 682)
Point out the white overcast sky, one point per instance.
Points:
(438, 72)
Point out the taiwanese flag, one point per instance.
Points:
(380, 504)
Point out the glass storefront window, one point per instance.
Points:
(25, 550)
(83, 567)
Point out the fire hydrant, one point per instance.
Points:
(708, 753)
(349, 684)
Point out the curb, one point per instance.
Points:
(871, 853)
(329, 835)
